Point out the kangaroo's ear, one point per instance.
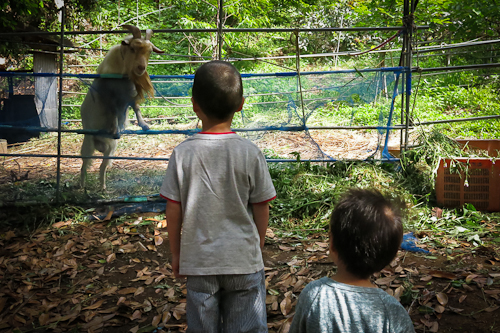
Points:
(126, 42)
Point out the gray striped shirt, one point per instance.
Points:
(327, 306)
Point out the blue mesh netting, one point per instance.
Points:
(283, 102)
(289, 102)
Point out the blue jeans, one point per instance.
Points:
(226, 303)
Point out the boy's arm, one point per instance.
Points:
(261, 218)
(173, 214)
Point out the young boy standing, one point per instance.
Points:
(218, 188)
(365, 235)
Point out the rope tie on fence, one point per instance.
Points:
(409, 23)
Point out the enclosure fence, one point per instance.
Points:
(276, 103)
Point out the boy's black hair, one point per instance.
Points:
(218, 89)
(366, 230)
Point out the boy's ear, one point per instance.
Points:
(241, 106)
(333, 251)
(196, 107)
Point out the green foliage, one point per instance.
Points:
(438, 101)
(307, 192)
(32, 15)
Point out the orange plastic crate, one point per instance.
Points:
(482, 188)
(492, 146)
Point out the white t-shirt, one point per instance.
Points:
(216, 178)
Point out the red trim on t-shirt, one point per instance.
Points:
(217, 133)
(168, 199)
(256, 203)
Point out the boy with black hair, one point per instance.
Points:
(365, 234)
(218, 187)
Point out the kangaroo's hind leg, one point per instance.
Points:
(87, 150)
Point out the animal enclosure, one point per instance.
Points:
(283, 115)
(291, 115)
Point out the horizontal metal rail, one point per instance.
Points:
(458, 45)
(133, 120)
(168, 158)
(191, 76)
(259, 129)
(451, 68)
(457, 120)
(225, 30)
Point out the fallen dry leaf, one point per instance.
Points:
(285, 327)
(165, 317)
(492, 308)
(470, 277)
(286, 248)
(270, 299)
(109, 291)
(156, 320)
(136, 315)
(129, 290)
(43, 319)
(443, 275)
(179, 310)
(158, 240)
(69, 245)
(286, 306)
(147, 306)
(20, 319)
(127, 248)
(398, 292)
(94, 306)
(139, 291)
(434, 327)
(9, 235)
(442, 298)
(141, 246)
(97, 321)
(462, 298)
(385, 280)
(61, 224)
(111, 258)
(439, 308)
(300, 282)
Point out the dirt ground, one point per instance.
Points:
(340, 144)
(114, 276)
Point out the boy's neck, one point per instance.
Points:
(216, 126)
(343, 276)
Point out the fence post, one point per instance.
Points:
(59, 119)
(219, 29)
